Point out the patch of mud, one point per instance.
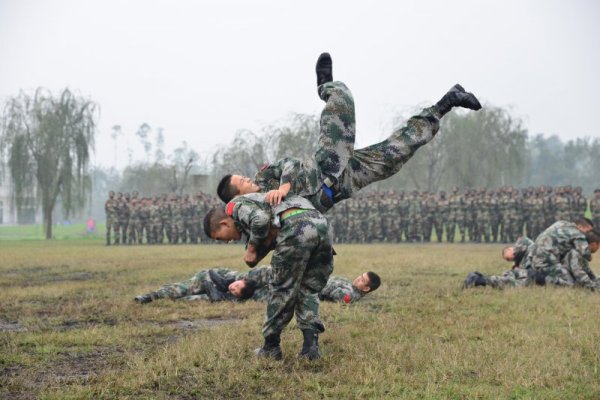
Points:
(67, 368)
(196, 324)
(11, 327)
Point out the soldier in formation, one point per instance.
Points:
(159, 219)
(475, 215)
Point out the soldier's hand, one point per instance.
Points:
(212, 292)
(274, 197)
(221, 283)
(250, 257)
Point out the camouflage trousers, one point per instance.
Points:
(350, 170)
(301, 264)
(516, 277)
(133, 229)
(573, 271)
(192, 286)
(112, 224)
(383, 160)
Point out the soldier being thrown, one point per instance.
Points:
(337, 170)
(301, 263)
(235, 286)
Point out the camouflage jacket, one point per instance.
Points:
(253, 216)
(555, 242)
(340, 289)
(303, 175)
(337, 289)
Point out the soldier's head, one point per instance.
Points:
(235, 185)
(584, 224)
(220, 226)
(119, 195)
(593, 238)
(199, 195)
(186, 197)
(135, 194)
(111, 194)
(508, 253)
(367, 282)
(597, 192)
(127, 196)
(242, 288)
(442, 194)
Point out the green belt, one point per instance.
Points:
(295, 212)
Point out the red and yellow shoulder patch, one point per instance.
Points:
(229, 209)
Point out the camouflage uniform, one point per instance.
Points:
(337, 289)
(455, 204)
(124, 217)
(441, 216)
(595, 209)
(414, 218)
(134, 220)
(154, 222)
(553, 255)
(340, 289)
(176, 220)
(193, 288)
(144, 221)
(348, 171)
(518, 275)
(112, 218)
(301, 263)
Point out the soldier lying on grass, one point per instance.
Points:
(222, 284)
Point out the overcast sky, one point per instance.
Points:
(202, 70)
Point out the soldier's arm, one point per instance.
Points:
(260, 276)
(256, 219)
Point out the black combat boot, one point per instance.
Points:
(474, 279)
(146, 298)
(457, 97)
(324, 69)
(310, 347)
(270, 349)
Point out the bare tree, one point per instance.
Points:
(48, 139)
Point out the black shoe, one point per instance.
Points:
(271, 348)
(310, 347)
(474, 279)
(143, 298)
(324, 69)
(457, 97)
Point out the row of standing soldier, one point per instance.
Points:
(477, 215)
(175, 218)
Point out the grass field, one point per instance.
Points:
(69, 329)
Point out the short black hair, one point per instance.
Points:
(248, 289)
(225, 189)
(212, 219)
(593, 236)
(583, 221)
(374, 281)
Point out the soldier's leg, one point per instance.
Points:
(296, 241)
(579, 269)
(382, 160)
(108, 227)
(450, 229)
(338, 130)
(124, 232)
(117, 229)
(192, 286)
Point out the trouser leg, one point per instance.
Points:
(384, 159)
(338, 130)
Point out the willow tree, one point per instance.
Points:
(47, 142)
